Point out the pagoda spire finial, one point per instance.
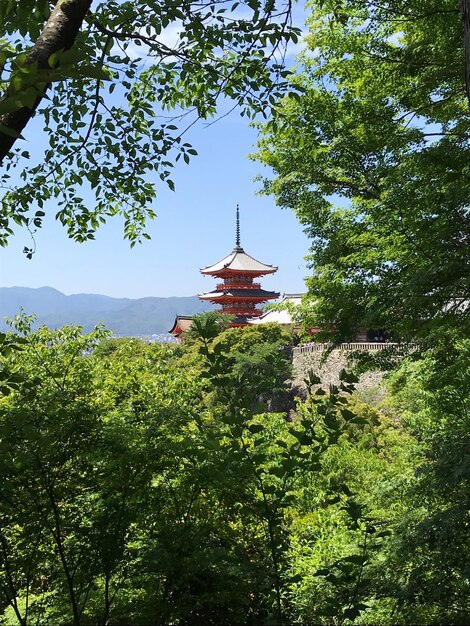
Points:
(237, 238)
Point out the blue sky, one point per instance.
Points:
(195, 227)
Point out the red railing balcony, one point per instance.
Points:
(235, 285)
(242, 311)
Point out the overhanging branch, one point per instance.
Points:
(59, 33)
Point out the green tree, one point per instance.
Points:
(279, 461)
(373, 159)
(205, 327)
(47, 457)
(124, 497)
(100, 74)
(345, 520)
(139, 487)
(431, 547)
(82, 440)
(258, 365)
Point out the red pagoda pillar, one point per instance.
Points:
(238, 295)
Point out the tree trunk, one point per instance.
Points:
(465, 12)
(59, 33)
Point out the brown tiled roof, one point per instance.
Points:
(182, 323)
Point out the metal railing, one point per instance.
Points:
(360, 345)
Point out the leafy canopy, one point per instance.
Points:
(373, 158)
(117, 84)
(135, 490)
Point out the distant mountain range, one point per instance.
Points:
(124, 316)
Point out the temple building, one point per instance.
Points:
(283, 313)
(182, 323)
(238, 295)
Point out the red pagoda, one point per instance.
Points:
(238, 294)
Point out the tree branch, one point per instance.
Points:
(465, 13)
(59, 33)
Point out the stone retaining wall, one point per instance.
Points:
(327, 367)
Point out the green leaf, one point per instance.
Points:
(348, 377)
(278, 471)
(91, 71)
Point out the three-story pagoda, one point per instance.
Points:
(238, 295)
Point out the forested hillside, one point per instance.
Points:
(123, 316)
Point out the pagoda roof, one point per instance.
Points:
(242, 294)
(182, 323)
(238, 261)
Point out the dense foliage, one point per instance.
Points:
(151, 484)
(373, 159)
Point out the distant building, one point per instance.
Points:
(182, 323)
(284, 316)
(238, 295)
(281, 316)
